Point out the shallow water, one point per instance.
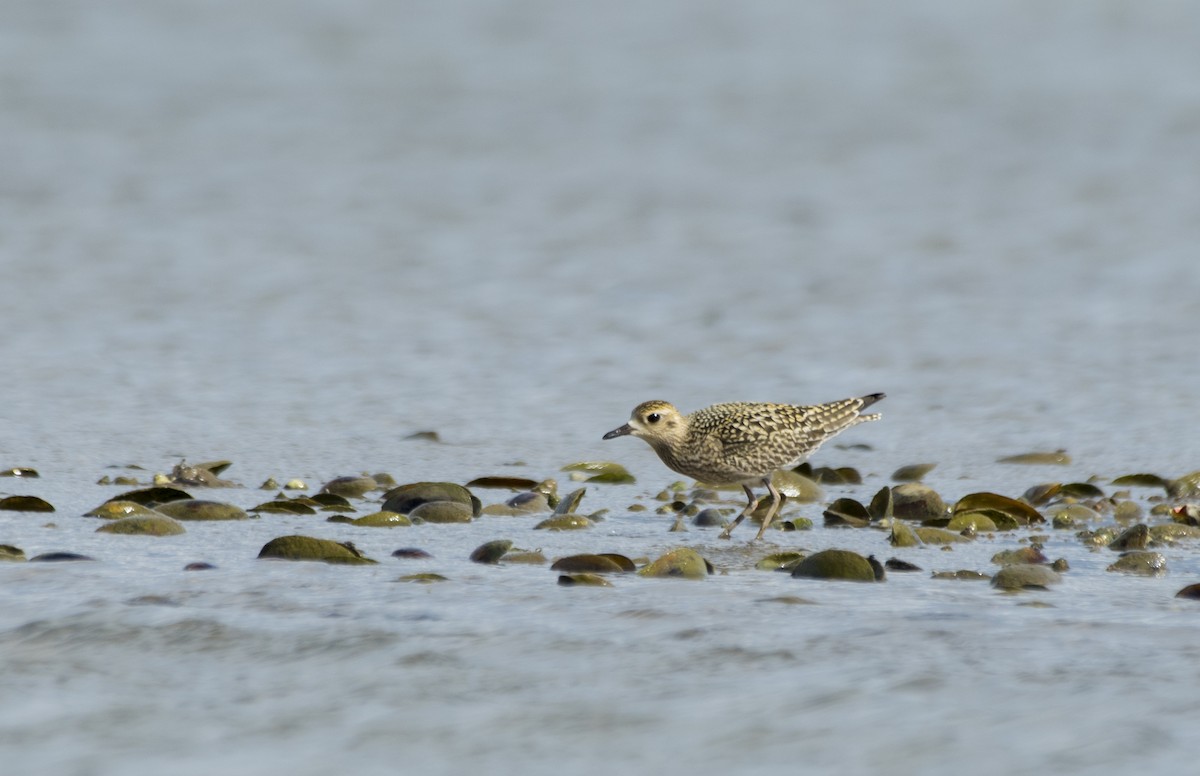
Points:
(291, 235)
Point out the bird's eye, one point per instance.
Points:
(653, 417)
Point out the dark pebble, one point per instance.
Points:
(55, 557)
(895, 564)
(410, 552)
(199, 566)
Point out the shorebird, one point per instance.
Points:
(742, 443)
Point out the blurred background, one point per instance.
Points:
(292, 233)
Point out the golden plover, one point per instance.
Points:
(742, 443)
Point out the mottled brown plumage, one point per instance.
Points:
(742, 442)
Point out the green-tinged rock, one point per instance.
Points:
(383, 519)
(902, 535)
(11, 553)
(797, 524)
(1141, 481)
(503, 483)
(780, 561)
(284, 507)
(1169, 533)
(425, 578)
(842, 475)
(1102, 536)
(1072, 515)
(1042, 494)
(350, 487)
(846, 512)
(1025, 577)
(1140, 563)
(1023, 513)
(60, 557)
(326, 501)
(976, 521)
(591, 563)
(491, 552)
(797, 487)
(1056, 458)
(914, 501)
(26, 504)
(965, 575)
(311, 549)
(601, 471)
(200, 509)
(1030, 555)
(568, 504)
(710, 518)
(940, 535)
(1124, 511)
(583, 579)
(896, 564)
(527, 503)
(1136, 537)
(914, 472)
(440, 512)
(19, 471)
(1191, 591)
(143, 525)
(152, 496)
(836, 564)
(530, 557)
(683, 562)
(406, 498)
(1081, 490)
(564, 523)
(115, 510)
(1187, 486)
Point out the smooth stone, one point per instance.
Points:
(962, 574)
(11, 553)
(26, 504)
(441, 512)
(914, 501)
(564, 523)
(152, 496)
(1135, 537)
(115, 510)
(976, 521)
(895, 564)
(199, 566)
(411, 552)
(201, 509)
(583, 579)
(913, 472)
(1173, 532)
(350, 487)
(491, 552)
(59, 557)
(1018, 556)
(424, 578)
(939, 535)
(781, 561)
(587, 563)
(684, 562)
(1140, 563)
(1191, 591)
(836, 564)
(382, 520)
(1024, 577)
(903, 535)
(143, 525)
(308, 548)
(406, 498)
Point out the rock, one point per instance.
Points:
(200, 509)
(350, 487)
(683, 562)
(589, 563)
(441, 512)
(143, 525)
(1022, 555)
(914, 501)
(115, 510)
(913, 472)
(491, 552)
(382, 520)
(1140, 563)
(564, 523)
(930, 535)
(1136, 537)
(152, 496)
(25, 504)
(11, 553)
(406, 498)
(836, 564)
(590, 580)
(1191, 591)
(411, 552)
(781, 561)
(1025, 577)
(312, 549)
(59, 557)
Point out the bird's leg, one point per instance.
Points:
(749, 508)
(776, 503)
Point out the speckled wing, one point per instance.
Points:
(771, 436)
